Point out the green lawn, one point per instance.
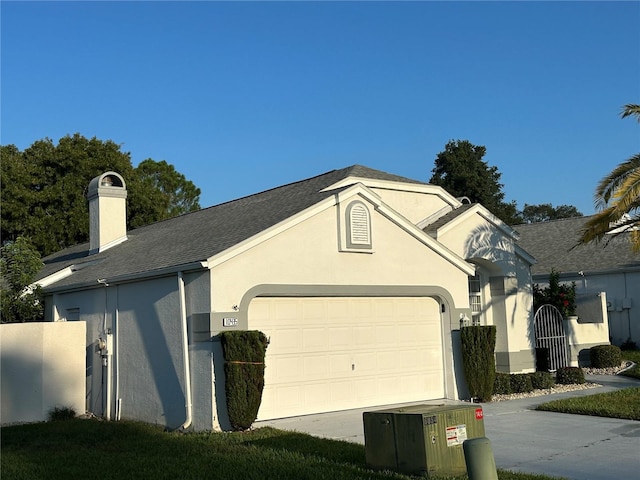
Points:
(79, 449)
(623, 403)
(619, 404)
(634, 356)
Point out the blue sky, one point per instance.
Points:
(245, 96)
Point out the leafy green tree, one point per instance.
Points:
(618, 199)
(461, 171)
(546, 212)
(19, 264)
(160, 192)
(17, 192)
(44, 190)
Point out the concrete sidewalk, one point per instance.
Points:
(575, 447)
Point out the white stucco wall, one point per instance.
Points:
(42, 366)
(308, 253)
(507, 295)
(95, 308)
(588, 329)
(414, 206)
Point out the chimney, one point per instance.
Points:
(107, 197)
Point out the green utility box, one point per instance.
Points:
(421, 439)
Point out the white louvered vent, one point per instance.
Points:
(359, 225)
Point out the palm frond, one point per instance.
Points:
(597, 227)
(630, 110)
(610, 184)
(635, 241)
(628, 192)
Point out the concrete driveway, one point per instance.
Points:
(575, 447)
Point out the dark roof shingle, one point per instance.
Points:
(196, 236)
(555, 245)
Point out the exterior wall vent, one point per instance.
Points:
(358, 226)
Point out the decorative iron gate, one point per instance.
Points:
(550, 339)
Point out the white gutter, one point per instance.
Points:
(131, 277)
(185, 353)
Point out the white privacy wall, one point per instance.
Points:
(42, 366)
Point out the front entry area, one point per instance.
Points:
(337, 353)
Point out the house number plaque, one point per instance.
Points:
(229, 322)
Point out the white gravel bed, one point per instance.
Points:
(566, 388)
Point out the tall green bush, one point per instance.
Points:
(244, 353)
(478, 346)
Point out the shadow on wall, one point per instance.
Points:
(152, 383)
(48, 386)
(495, 252)
(220, 385)
(458, 367)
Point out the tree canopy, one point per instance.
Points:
(44, 188)
(546, 212)
(618, 199)
(19, 264)
(461, 170)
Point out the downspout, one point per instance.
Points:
(116, 341)
(185, 353)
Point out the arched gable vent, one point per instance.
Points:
(358, 226)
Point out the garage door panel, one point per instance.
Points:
(339, 338)
(363, 335)
(385, 335)
(285, 310)
(339, 353)
(315, 366)
(315, 338)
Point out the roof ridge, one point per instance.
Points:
(581, 217)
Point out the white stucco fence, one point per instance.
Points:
(42, 366)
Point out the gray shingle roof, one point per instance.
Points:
(448, 217)
(196, 236)
(555, 245)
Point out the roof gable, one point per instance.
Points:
(190, 239)
(457, 217)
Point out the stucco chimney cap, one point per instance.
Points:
(108, 184)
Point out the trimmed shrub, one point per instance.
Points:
(542, 380)
(502, 384)
(58, 414)
(605, 356)
(478, 345)
(569, 375)
(244, 353)
(521, 383)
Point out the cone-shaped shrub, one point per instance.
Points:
(478, 346)
(244, 353)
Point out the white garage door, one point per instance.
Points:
(328, 354)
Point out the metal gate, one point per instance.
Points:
(550, 339)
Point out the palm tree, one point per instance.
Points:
(618, 199)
